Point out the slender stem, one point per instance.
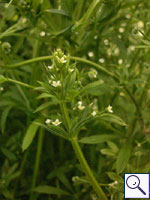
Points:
(137, 107)
(37, 160)
(20, 83)
(99, 67)
(81, 158)
(33, 60)
(65, 115)
(88, 171)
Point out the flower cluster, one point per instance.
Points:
(59, 56)
(80, 106)
(55, 123)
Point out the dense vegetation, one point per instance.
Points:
(74, 97)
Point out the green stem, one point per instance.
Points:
(137, 107)
(20, 83)
(87, 171)
(37, 160)
(99, 67)
(65, 115)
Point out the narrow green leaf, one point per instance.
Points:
(4, 118)
(91, 85)
(108, 152)
(56, 11)
(9, 154)
(45, 105)
(30, 134)
(112, 118)
(45, 189)
(123, 158)
(58, 131)
(96, 139)
(44, 95)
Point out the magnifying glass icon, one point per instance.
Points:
(133, 182)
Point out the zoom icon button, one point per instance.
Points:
(136, 185)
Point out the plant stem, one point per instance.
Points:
(37, 160)
(38, 59)
(88, 171)
(65, 115)
(20, 83)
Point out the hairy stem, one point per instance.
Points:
(88, 171)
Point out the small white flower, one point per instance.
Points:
(113, 184)
(121, 30)
(106, 42)
(109, 108)
(140, 24)
(50, 67)
(56, 83)
(101, 60)
(120, 61)
(71, 70)
(92, 73)
(50, 81)
(62, 60)
(1, 88)
(48, 121)
(42, 34)
(80, 107)
(90, 54)
(93, 113)
(119, 36)
(79, 102)
(56, 122)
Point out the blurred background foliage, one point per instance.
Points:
(113, 34)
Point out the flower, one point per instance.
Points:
(50, 67)
(109, 108)
(93, 113)
(56, 122)
(62, 59)
(42, 34)
(80, 105)
(121, 30)
(48, 121)
(92, 73)
(101, 60)
(106, 42)
(113, 184)
(120, 61)
(140, 24)
(56, 83)
(90, 54)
